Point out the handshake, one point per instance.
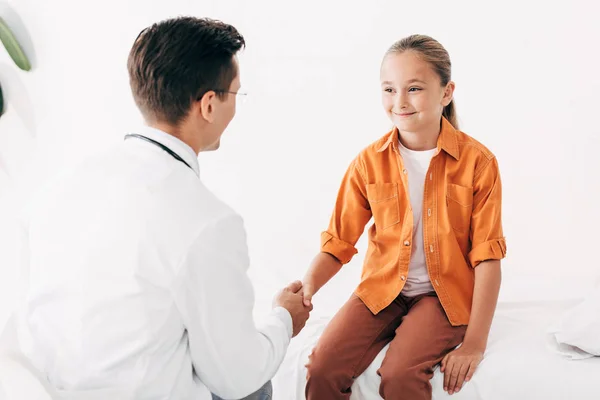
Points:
(297, 299)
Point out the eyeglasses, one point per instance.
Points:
(228, 91)
(241, 95)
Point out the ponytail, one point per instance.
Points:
(450, 114)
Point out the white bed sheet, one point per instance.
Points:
(518, 362)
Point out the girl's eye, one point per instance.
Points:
(414, 89)
(388, 90)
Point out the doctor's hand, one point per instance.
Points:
(291, 299)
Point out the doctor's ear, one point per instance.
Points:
(205, 106)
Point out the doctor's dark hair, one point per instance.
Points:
(431, 51)
(176, 61)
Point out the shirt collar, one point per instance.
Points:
(176, 145)
(447, 140)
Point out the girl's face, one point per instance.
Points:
(411, 92)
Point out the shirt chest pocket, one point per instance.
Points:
(383, 200)
(459, 200)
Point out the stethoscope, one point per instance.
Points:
(162, 146)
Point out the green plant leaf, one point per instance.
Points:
(1, 102)
(12, 46)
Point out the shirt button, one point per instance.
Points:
(403, 277)
(431, 247)
(429, 212)
(437, 283)
(406, 243)
(404, 171)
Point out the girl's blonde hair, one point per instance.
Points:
(435, 54)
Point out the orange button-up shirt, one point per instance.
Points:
(462, 225)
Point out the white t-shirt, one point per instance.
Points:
(417, 164)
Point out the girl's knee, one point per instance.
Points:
(323, 367)
(403, 382)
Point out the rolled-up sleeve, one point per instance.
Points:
(487, 238)
(350, 215)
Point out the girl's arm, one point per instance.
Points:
(488, 248)
(347, 223)
(485, 297)
(459, 365)
(321, 270)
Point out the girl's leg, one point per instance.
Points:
(348, 345)
(423, 338)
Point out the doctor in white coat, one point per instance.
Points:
(137, 272)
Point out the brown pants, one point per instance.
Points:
(421, 336)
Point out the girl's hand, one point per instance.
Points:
(307, 294)
(459, 366)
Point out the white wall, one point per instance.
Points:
(527, 87)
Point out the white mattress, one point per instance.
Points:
(518, 363)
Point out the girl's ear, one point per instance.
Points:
(448, 93)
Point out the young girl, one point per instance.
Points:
(431, 274)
